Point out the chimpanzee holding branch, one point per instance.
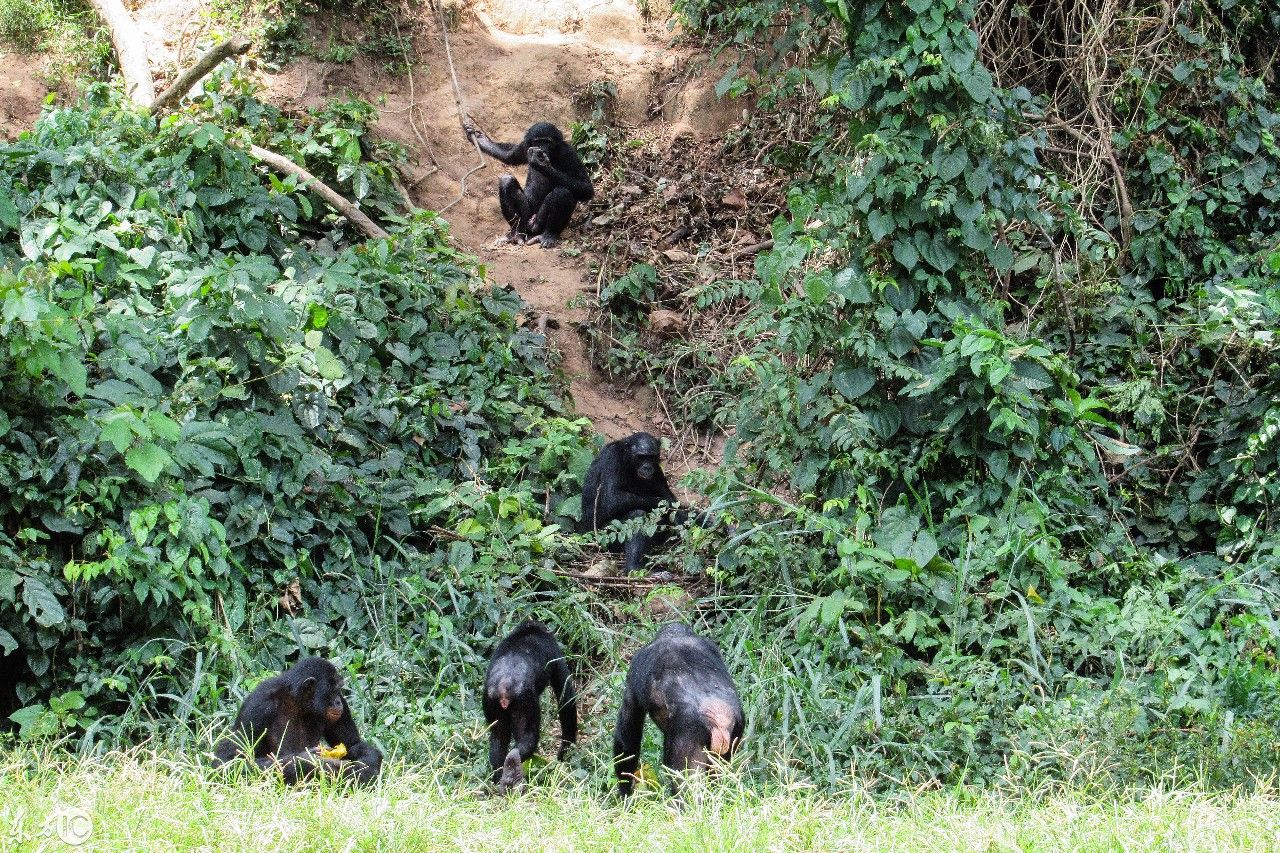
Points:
(625, 482)
(681, 681)
(557, 181)
(523, 665)
(283, 720)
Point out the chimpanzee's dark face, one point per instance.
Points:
(321, 691)
(644, 456)
(543, 135)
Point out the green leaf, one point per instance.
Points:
(1001, 257)
(163, 426)
(885, 420)
(977, 82)
(816, 289)
(853, 382)
(905, 253)
(950, 163)
(328, 365)
(34, 721)
(72, 371)
(41, 603)
(923, 549)
(851, 284)
(70, 701)
(832, 607)
(938, 253)
(9, 216)
(880, 224)
(117, 431)
(967, 210)
(148, 459)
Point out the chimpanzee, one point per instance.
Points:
(624, 482)
(681, 681)
(557, 182)
(523, 665)
(283, 720)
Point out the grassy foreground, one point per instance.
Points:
(145, 802)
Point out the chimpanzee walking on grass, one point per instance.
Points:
(525, 663)
(681, 681)
(557, 181)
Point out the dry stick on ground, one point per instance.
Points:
(283, 164)
(131, 51)
(209, 60)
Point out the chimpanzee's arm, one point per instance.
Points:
(513, 155)
(566, 170)
(619, 504)
(567, 698)
(626, 741)
(365, 758)
(249, 734)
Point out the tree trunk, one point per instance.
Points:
(131, 52)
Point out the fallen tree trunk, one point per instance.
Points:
(131, 51)
(286, 166)
(209, 60)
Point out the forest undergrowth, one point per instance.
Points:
(998, 368)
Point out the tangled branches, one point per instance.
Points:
(1080, 54)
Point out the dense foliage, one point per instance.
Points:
(225, 436)
(1029, 421)
(1003, 456)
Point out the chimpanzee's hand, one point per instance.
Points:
(538, 157)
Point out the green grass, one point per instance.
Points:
(147, 802)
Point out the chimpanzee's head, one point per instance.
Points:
(318, 689)
(544, 135)
(642, 453)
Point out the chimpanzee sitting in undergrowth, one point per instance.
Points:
(283, 720)
(557, 181)
(523, 665)
(681, 681)
(625, 482)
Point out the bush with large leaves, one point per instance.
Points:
(207, 419)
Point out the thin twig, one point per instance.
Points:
(463, 117)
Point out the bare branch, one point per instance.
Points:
(209, 60)
(283, 164)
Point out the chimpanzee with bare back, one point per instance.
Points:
(525, 663)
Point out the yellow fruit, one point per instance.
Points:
(337, 752)
(646, 778)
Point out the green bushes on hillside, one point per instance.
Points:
(216, 414)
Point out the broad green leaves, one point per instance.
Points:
(199, 410)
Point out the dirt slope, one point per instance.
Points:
(22, 92)
(517, 63)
